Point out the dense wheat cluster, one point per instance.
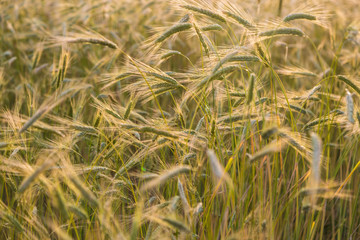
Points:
(183, 119)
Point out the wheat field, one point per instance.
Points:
(179, 119)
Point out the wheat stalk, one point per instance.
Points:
(239, 19)
(201, 38)
(205, 12)
(180, 27)
(212, 27)
(282, 31)
(350, 107)
(173, 172)
(92, 40)
(349, 83)
(297, 16)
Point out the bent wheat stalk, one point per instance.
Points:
(180, 27)
(297, 16)
(282, 31)
(92, 40)
(205, 12)
(173, 172)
